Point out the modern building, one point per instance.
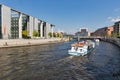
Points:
(82, 32)
(117, 28)
(14, 22)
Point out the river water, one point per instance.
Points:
(52, 62)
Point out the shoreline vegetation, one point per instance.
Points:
(7, 43)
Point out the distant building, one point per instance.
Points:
(110, 30)
(105, 31)
(92, 34)
(117, 28)
(82, 32)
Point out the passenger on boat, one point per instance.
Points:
(76, 48)
(81, 44)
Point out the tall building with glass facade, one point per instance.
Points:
(83, 32)
(13, 23)
(117, 28)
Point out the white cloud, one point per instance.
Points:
(112, 19)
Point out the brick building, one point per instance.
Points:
(105, 31)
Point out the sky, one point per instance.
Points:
(70, 15)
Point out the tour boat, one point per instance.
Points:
(81, 48)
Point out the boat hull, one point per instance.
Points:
(75, 53)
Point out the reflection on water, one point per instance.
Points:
(51, 62)
(97, 43)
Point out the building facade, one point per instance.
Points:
(13, 23)
(110, 30)
(117, 28)
(103, 32)
(82, 32)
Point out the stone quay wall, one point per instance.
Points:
(27, 42)
(113, 40)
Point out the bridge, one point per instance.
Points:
(87, 37)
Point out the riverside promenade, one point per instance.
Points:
(27, 42)
(113, 40)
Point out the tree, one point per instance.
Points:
(50, 34)
(35, 33)
(54, 34)
(25, 33)
(118, 34)
(57, 34)
(61, 35)
(114, 35)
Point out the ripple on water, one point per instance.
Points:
(51, 62)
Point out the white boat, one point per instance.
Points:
(97, 40)
(81, 48)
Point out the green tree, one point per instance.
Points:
(61, 35)
(118, 34)
(114, 35)
(35, 33)
(50, 34)
(54, 34)
(25, 33)
(57, 35)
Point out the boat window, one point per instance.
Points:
(80, 49)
